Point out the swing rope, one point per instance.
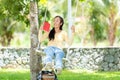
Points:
(76, 8)
(38, 49)
(68, 49)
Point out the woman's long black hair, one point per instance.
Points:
(52, 32)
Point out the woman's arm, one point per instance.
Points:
(69, 40)
(42, 37)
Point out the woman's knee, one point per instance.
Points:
(48, 51)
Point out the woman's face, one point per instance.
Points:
(57, 22)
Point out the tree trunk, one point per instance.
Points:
(34, 59)
(92, 33)
(112, 28)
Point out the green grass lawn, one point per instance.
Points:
(21, 74)
(14, 74)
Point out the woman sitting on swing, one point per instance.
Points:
(57, 38)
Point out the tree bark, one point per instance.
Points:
(112, 27)
(34, 59)
(92, 33)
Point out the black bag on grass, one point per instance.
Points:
(47, 75)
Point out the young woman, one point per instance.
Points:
(57, 38)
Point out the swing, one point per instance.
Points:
(46, 27)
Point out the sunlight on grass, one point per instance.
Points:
(88, 75)
(24, 74)
(14, 74)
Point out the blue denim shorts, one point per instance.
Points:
(56, 53)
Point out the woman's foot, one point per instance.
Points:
(48, 67)
(40, 52)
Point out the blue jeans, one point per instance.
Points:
(56, 53)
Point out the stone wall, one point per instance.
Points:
(14, 58)
(103, 59)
